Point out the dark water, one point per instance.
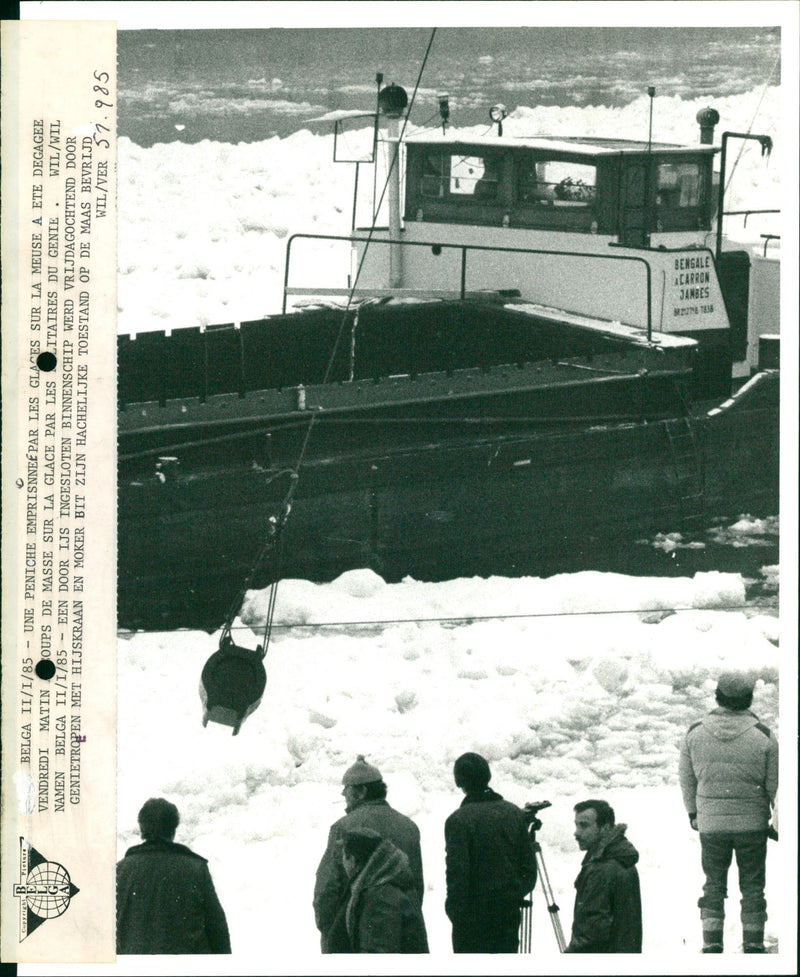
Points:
(748, 546)
(248, 85)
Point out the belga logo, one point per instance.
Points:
(45, 889)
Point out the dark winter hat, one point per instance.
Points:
(361, 844)
(471, 771)
(361, 773)
(736, 685)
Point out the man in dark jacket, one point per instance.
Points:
(729, 778)
(490, 864)
(166, 901)
(366, 806)
(608, 904)
(383, 913)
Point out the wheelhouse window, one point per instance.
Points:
(556, 183)
(475, 176)
(461, 177)
(682, 195)
(678, 185)
(504, 186)
(434, 176)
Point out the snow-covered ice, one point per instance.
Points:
(575, 686)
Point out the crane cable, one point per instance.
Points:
(766, 603)
(752, 122)
(273, 543)
(370, 235)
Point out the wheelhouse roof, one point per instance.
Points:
(582, 145)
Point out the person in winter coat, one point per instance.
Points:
(608, 903)
(166, 901)
(366, 808)
(490, 864)
(729, 778)
(383, 913)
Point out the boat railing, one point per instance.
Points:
(748, 213)
(766, 238)
(766, 149)
(466, 250)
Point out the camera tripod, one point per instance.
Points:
(526, 922)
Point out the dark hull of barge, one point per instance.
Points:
(448, 439)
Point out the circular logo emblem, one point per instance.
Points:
(48, 890)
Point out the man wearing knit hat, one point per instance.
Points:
(729, 778)
(490, 863)
(366, 809)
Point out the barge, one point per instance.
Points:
(551, 340)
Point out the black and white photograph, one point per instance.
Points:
(452, 480)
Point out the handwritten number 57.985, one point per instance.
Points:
(102, 77)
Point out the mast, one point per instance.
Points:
(395, 250)
(392, 101)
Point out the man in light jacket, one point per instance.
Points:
(166, 901)
(729, 778)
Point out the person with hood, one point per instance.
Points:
(166, 901)
(608, 903)
(728, 774)
(366, 808)
(490, 863)
(383, 913)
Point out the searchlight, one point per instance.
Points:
(444, 111)
(497, 113)
(392, 100)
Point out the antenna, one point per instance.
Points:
(647, 177)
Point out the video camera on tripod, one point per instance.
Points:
(531, 810)
(534, 824)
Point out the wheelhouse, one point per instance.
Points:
(615, 188)
(618, 230)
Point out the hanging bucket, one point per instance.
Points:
(232, 684)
